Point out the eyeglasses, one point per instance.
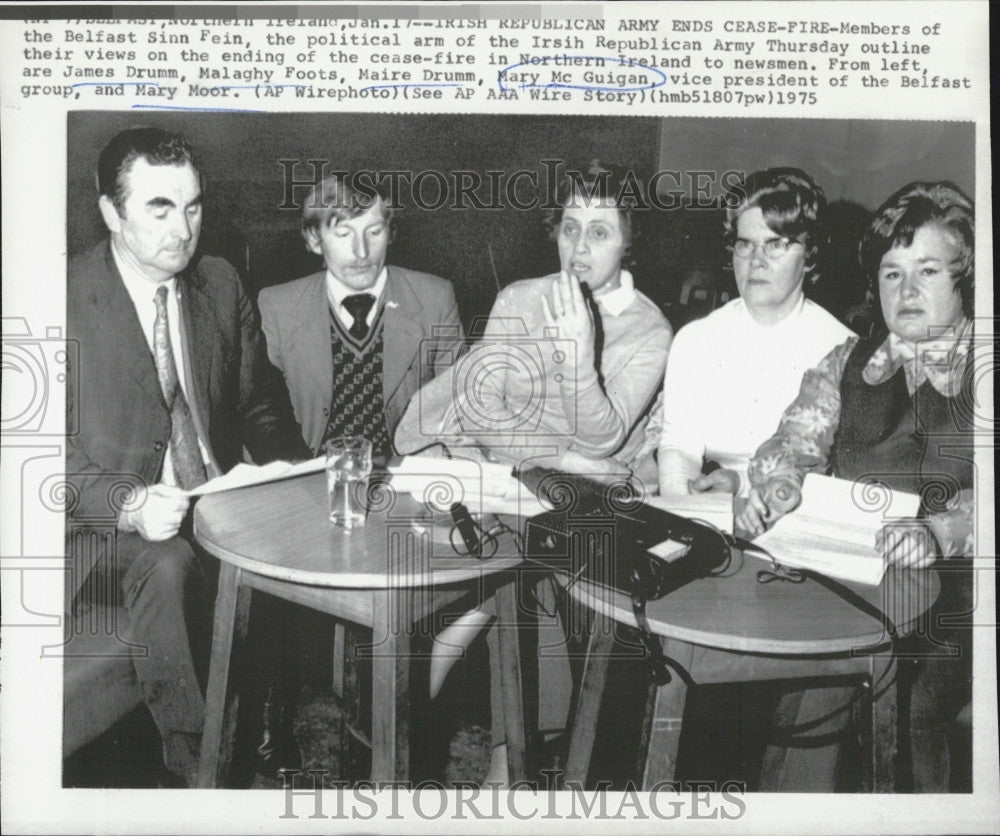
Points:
(772, 247)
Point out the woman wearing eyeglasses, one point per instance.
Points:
(730, 375)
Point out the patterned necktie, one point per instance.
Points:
(358, 305)
(185, 454)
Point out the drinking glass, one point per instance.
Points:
(348, 466)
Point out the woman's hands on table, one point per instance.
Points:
(908, 544)
(720, 480)
(766, 505)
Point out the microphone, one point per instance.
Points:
(467, 529)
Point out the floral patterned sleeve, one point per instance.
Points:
(954, 528)
(806, 430)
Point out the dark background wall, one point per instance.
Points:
(863, 161)
(858, 163)
(239, 156)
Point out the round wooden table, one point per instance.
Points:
(733, 628)
(386, 575)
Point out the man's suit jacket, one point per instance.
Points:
(119, 422)
(423, 335)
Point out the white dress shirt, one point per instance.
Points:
(142, 292)
(337, 291)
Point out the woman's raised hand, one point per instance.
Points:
(567, 310)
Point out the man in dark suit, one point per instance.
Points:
(173, 383)
(356, 340)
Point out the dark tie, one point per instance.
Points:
(358, 305)
(188, 465)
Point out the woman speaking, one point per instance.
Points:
(564, 377)
(570, 363)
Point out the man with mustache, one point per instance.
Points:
(173, 382)
(356, 340)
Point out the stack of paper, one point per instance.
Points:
(833, 531)
(713, 508)
(482, 487)
(245, 475)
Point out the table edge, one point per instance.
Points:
(348, 580)
(590, 595)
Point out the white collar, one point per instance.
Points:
(141, 289)
(616, 301)
(936, 343)
(788, 319)
(337, 291)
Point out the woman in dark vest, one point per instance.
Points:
(898, 407)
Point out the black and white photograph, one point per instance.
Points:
(432, 457)
(748, 274)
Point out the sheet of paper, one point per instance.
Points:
(496, 479)
(245, 475)
(855, 508)
(714, 508)
(833, 531)
(845, 562)
(483, 487)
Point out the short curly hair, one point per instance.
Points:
(792, 204)
(603, 181)
(916, 205)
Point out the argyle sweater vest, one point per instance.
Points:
(357, 406)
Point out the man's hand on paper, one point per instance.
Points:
(157, 512)
(767, 505)
(720, 480)
(909, 544)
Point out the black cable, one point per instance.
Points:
(845, 593)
